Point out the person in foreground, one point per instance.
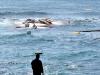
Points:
(37, 66)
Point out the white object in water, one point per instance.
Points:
(72, 66)
(76, 33)
(57, 23)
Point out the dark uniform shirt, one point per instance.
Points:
(37, 67)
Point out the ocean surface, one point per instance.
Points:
(64, 51)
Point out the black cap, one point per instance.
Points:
(38, 53)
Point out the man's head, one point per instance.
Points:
(37, 56)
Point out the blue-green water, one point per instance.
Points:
(64, 52)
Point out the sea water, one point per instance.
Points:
(64, 51)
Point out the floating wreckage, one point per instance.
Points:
(78, 32)
(32, 23)
(95, 30)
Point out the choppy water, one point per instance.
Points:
(64, 52)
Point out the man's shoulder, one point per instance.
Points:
(36, 61)
(33, 61)
(40, 61)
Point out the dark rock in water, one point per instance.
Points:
(29, 32)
